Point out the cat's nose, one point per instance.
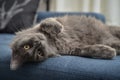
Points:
(30, 52)
(40, 52)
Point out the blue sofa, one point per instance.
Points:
(58, 68)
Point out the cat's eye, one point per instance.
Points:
(26, 47)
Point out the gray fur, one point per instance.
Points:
(67, 35)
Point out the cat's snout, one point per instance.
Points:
(40, 52)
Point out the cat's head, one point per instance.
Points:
(31, 45)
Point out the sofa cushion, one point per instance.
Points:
(5, 51)
(43, 15)
(57, 68)
(16, 14)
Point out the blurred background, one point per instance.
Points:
(109, 8)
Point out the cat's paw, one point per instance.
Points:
(51, 25)
(103, 51)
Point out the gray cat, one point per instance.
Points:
(67, 35)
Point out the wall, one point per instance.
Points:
(110, 8)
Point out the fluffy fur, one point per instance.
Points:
(67, 35)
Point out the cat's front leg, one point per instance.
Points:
(51, 26)
(95, 51)
(115, 45)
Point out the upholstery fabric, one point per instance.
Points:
(57, 68)
(43, 15)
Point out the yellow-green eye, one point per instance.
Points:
(26, 47)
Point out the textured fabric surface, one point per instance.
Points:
(17, 14)
(43, 15)
(58, 68)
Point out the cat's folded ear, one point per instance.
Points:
(51, 26)
(16, 62)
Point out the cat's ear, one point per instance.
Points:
(51, 26)
(16, 62)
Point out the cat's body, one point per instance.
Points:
(68, 35)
